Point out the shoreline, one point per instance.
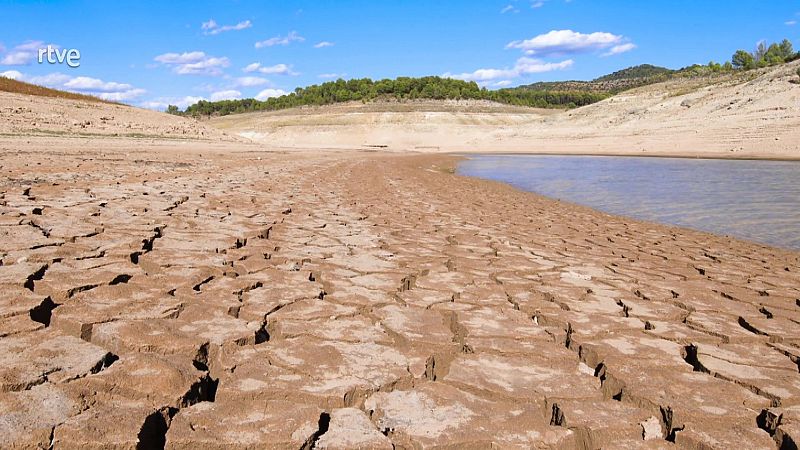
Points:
(622, 217)
(665, 155)
(461, 157)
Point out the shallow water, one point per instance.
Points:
(754, 200)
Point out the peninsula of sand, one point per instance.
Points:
(168, 283)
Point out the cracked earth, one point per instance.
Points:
(226, 300)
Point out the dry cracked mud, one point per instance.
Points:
(229, 300)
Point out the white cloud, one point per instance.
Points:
(193, 63)
(790, 23)
(230, 94)
(277, 69)
(523, 66)
(107, 90)
(509, 8)
(23, 54)
(119, 96)
(180, 58)
(52, 79)
(537, 4)
(330, 76)
(621, 48)
(94, 84)
(268, 93)
(12, 74)
(161, 103)
(502, 83)
(281, 40)
(567, 42)
(251, 81)
(324, 44)
(211, 27)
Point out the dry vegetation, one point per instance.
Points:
(20, 87)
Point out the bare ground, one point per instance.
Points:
(172, 288)
(214, 297)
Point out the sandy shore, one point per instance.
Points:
(219, 296)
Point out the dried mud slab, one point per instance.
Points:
(156, 298)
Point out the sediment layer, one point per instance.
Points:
(361, 300)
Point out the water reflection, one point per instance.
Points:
(755, 200)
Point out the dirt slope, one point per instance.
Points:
(31, 115)
(754, 114)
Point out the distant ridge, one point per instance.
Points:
(640, 71)
(612, 83)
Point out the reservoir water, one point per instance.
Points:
(754, 200)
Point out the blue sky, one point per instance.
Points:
(150, 53)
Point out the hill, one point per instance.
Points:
(399, 89)
(558, 95)
(31, 111)
(737, 114)
(612, 83)
(20, 87)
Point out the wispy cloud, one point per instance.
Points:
(330, 76)
(790, 23)
(561, 42)
(251, 81)
(23, 54)
(621, 48)
(509, 8)
(277, 69)
(523, 66)
(269, 93)
(193, 63)
(107, 90)
(161, 103)
(537, 4)
(211, 27)
(280, 40)
(12, 74)
(230, 94)
(324, 44)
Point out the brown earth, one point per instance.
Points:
(220, 296)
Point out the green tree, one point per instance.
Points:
(761, 51)
(787, 50)
(743, 60)
(172, 109)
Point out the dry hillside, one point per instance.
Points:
(37, 115)
(752, 114)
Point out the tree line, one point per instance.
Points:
(399, 89)
(764, 56)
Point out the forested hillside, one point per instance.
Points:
(562, 94)
(403, 88)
